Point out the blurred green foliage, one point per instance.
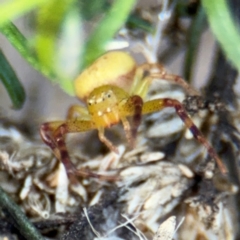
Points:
(224, 28)
(11, 83)
(83, 28)
(50, 20)
(68, 35)
(10, 10)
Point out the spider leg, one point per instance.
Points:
(133, 108)
(53, 134)
(161, 73)
(77, 111)
(46, 131)
(158, 104)
(106, 141)
(127, 129)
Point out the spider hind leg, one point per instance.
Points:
(159, 104)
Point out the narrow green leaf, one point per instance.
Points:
(135, 21)
(16, 38)
(11, 83)
(22, 223)
(224, 29)
(107, 28)
(12, 9)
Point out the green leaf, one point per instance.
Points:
(11, 83)
(136, 22)
(21, 222)
(224, 29)
(16, 38)
(13, 9)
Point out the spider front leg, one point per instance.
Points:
(132, 107)
(53, 134)
(104, 140)
(158, 104)
(76, 111)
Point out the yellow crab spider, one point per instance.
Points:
(114, 89)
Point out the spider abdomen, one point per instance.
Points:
(114, 68)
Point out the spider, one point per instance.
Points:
(114, 89)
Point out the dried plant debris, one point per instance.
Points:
(204, 221)
(165, 188)
(160, 183)
(164, 179)
(152, 191)
(167, 229)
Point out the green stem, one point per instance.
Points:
(11, 83)
(22, 223)
(16, 38)
(224, 28)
